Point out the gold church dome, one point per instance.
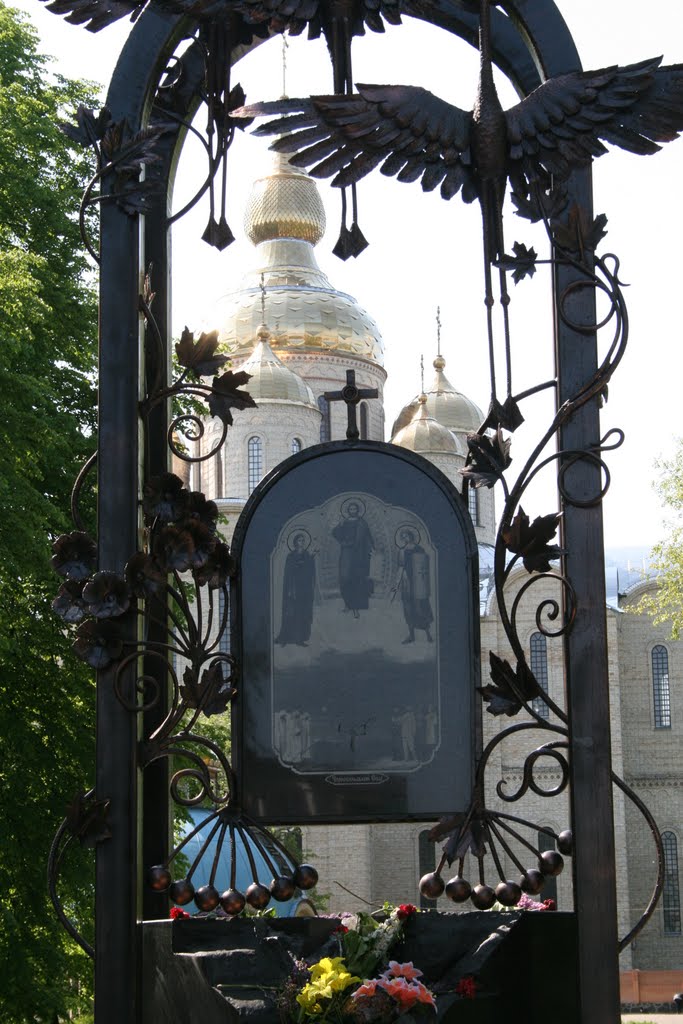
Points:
(284, 204)
(305, 313)
(449, 407)
(271, 380)
(424, 435)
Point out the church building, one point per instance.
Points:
(296, 335)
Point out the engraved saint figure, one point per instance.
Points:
(352, 533)
(298, 585)
(414, 584)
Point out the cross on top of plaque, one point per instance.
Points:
(351, 394)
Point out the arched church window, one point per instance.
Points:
(223, 617)
(363, 421)
(660, 687)
(324, 406)
(218, 462)
(254, 462)
(296, 445)
(671, 895)
(538, 663)
(473, 505)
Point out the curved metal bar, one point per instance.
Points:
(54, 861)
(77, 488)
(528, 782)
(659, 883)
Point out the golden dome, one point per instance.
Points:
(271, 380)
(285, 219)
(424, 435)
(449, 407)
(284, 204)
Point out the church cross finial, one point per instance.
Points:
(285, 44)
(422, 374)
(438, 331)
(351, 394)
(263, 298)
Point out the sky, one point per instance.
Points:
(425, 253)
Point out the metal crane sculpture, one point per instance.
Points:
(414, 134)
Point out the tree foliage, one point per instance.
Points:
(47, 363)
(665, 603)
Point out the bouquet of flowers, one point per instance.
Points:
(350, 987)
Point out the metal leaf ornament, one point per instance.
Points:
(522, 264)
(464, 841)
(199, 357)
(489, 457)
(576, 233)
(530, 540)
(226, 395)
(509, 687)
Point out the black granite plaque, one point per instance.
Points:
(357, 636)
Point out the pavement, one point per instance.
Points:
(651, 1018)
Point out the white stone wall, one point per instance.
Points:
(327, 372)
(276, 424)
(653, 768)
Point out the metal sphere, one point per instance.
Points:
(305, 877)
(432, 885)
(206, 898)
(257, 896)
(565, 842)
(282, 888)
(458, 889)
(181, 892)
(551, 863)
(232, 901)
(531, 882)
(159, 878)
(483, 897)
(508, 893)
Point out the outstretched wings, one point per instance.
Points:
(567, 120)
(407, 130)
(413, 134)
(272, 15)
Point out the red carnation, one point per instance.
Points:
(549, 905)
(176, 913)
(405, 910)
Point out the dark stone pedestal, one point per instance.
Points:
(221, 971)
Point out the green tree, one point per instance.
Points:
(665, 603)
(47, 364)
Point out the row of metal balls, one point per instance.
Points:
(458, 889)
(232, 901)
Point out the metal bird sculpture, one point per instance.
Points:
(414, 135)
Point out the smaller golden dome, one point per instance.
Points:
(449, 407)
(285, 203)
(424, 435)
(271, 380)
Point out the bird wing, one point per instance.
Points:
(409, 131)
(96, 14)
(567, 120)
(279, 14)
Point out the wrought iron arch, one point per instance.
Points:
(531, 42)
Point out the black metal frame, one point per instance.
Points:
(531, 44)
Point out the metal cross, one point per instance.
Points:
(351, 394)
